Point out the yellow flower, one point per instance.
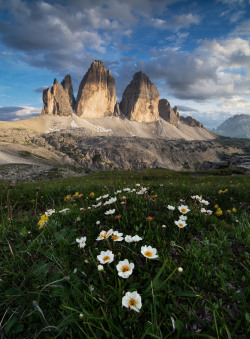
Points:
(67, 198)
(219, 212)
(92, 194)
(234, 209)
(43, 220)
(228, 211)
(216, 206)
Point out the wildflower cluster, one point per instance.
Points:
(73, 197)
(43, 220)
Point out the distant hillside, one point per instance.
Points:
(237, 126)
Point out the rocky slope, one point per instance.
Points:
(237, 126)
(30, 156)
(96, 96)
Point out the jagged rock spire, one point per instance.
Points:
(96, 96)
(59, 100)
(140, 99)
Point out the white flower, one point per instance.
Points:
(105, 257)
(104, 235)
(118, 192)
(142, 191)
(81, 316)
(64, 210)
(105, 196)
(132, 300)
(89, 208)
(136, 238)
(203, 210)
(49, 212)
(180, 269)
(116, 236)
(110, 212)
(97, 205)
(138, 185)
(81, 241)
(183, 209)
(163, 226)
(196, 197)
(100, 268)
(204, 202)
(75, 270)
(180, 223)
(126, 189)
(149, 252)
(98, 222)
(183, 217)
(125, 268)
(171, 208)
(110, 201)
(128, 238)
(97, 199)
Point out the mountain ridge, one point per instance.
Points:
(237, 126)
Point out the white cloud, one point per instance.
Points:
(236, 102)
(176, 22)
(6, 53)
(13, 113)
(200, 74)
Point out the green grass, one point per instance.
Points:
(51, 288)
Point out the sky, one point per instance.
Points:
(197, 53)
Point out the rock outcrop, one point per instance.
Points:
(191, 122)
(67, 85)
(117, 110)
(140, 99)
(96, 96)
(167, 113)
(59, 100)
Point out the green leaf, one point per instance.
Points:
(186, 294)
(10, 324)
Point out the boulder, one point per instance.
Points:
(140, 99)
(96, 97)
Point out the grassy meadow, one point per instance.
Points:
(192, 282)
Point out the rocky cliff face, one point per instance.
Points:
(172, 115)
(191, 122)
(237, 126)
(96, 96)
(167, 113)
(59, 100)
(140, 99)
(67, 86)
